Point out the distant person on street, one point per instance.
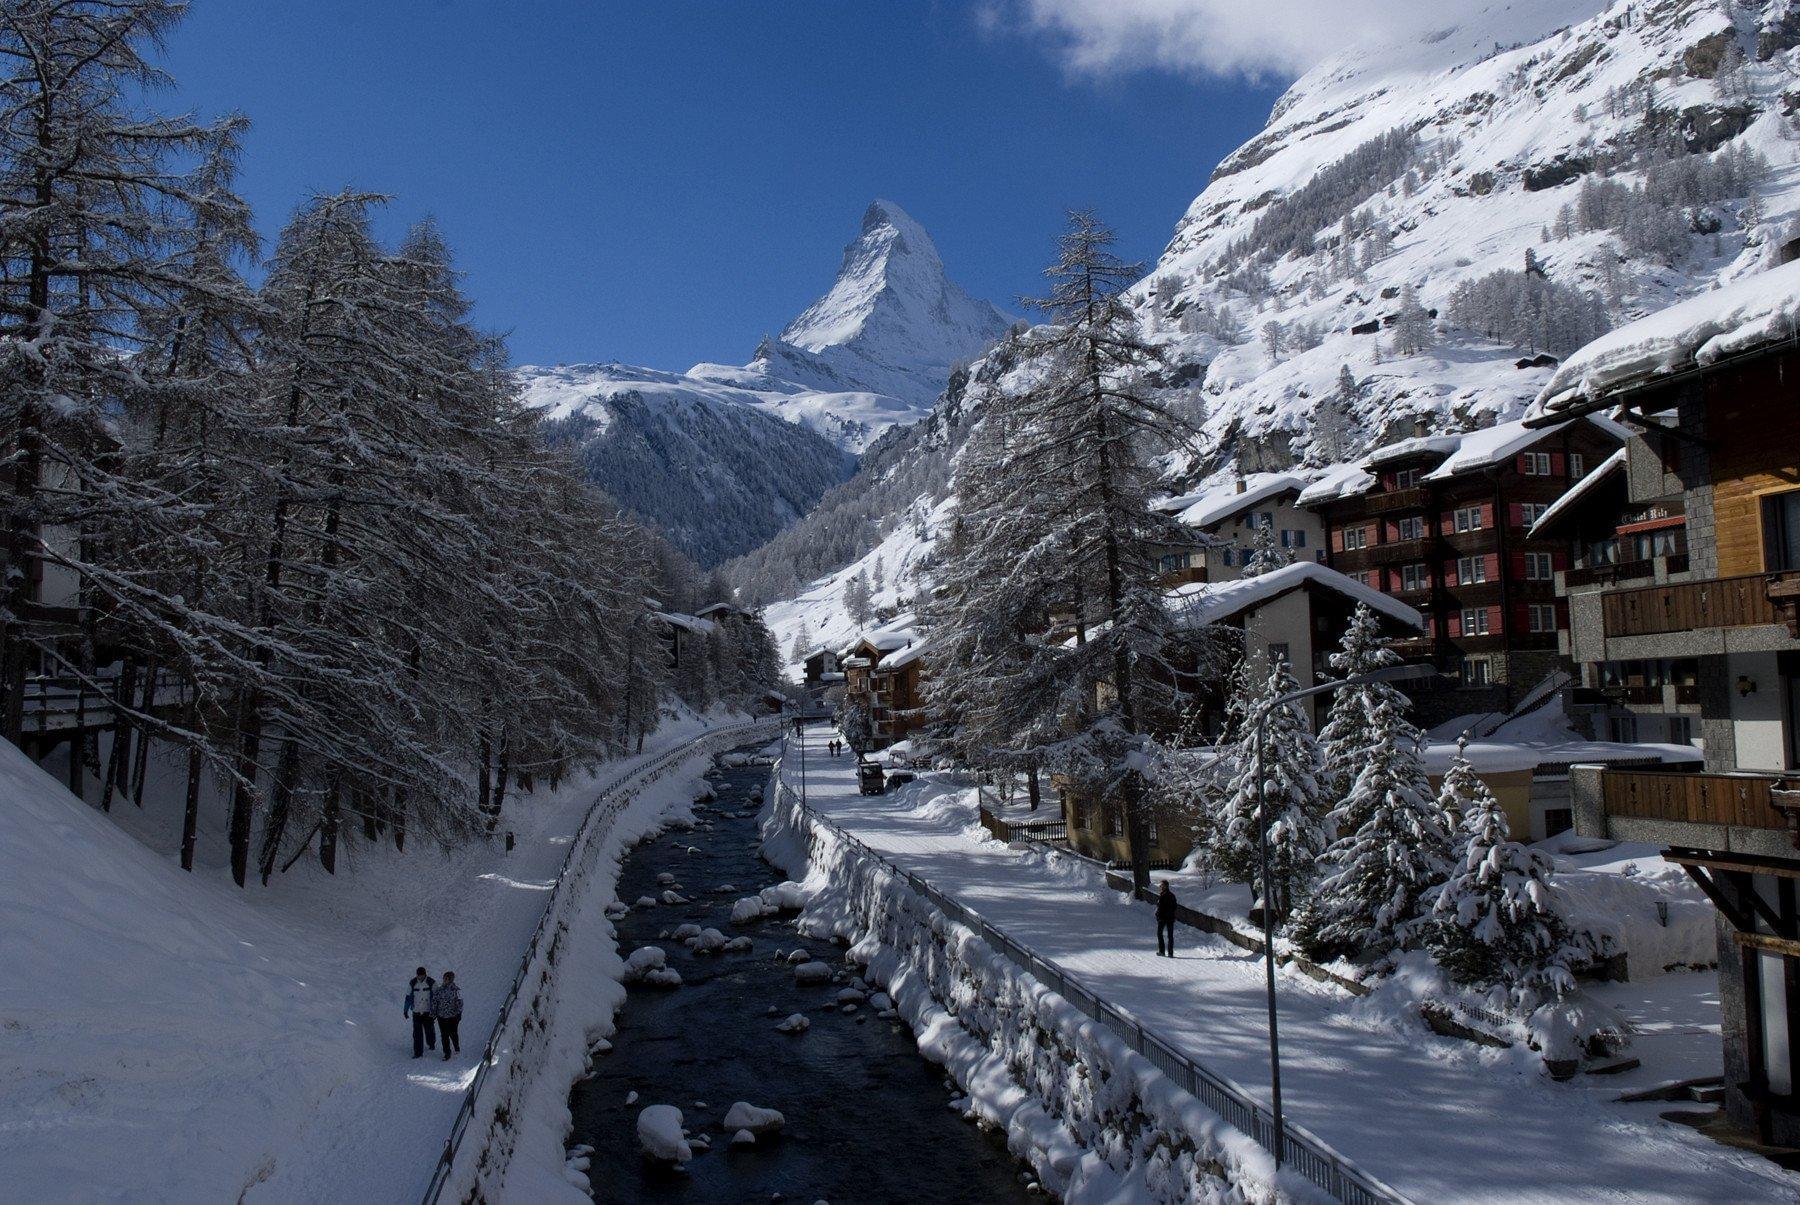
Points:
(418, 1007)
(1165, 921)
(446, 1006)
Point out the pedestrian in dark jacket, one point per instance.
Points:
(1165, 921)
(446, 1006)
(418, 1007)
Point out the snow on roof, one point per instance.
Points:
(1497, 757)
(1200, 603)
(1339, 481)
(1496, 445)
(1418, 445)
(1577, 492)
(1210, 507)
(689, 622)
(904, 657)
(1759, 309)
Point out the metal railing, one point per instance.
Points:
(605, 808)
(1309, 1155)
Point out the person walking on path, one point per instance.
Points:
(418, 1007)
(1165, 921)
(446, 1006)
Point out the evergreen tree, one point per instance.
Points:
(1394, 848)
(856, 598)
(1348, 734)
(1412, 326)
(1498, 920)
(1266, 552)
(1286, 762)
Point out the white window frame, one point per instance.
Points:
(1355, 538)
(1469, 675)
(1402, 527)
(1541, 617)
(1475, 622)
(1577, 466)
(1467, 518)
(1415, 577)
(1535, 561)
(1406, 479)
(1537, 464)
(1531, 512)
(1471, 570)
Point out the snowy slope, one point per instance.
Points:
(701, 462)
(1496, 124)
(892, 322)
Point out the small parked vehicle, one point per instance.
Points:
(871, 779)
(900, 778)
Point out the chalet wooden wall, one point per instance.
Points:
(1753, 421)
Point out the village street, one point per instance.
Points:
(1435, 1118)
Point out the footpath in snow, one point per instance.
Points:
(167, 1037)
(1436, 1118)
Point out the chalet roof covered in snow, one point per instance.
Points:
(1496, 445)
(905, 656)
(1575, 493)
(1339, 481)
(1746, 314)
(689, 623)
(889, 637)
(1208, 508)
(1199, 603)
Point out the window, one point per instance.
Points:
(1471, 570)
(1467, 518)
(1577, 466)
(1604, 552)
(1781, 531)
(1355, 537)
(1535, 464)
(1475, 621)
(1265, 519)
(1150, 833)
(1115, 821)
(1539, 567)
(1415, 577)
(1664, 541)
(1299, 538)
(1622, 729)
(1543, 617)
(1477, 671)
(1558, 820)
(1531, 512)
(1681, 730)
(1412, 528)
(1406, 479)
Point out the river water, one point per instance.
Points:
(868, 1119)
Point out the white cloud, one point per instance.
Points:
(1218, 37)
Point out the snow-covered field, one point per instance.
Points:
(166, 1037)
(1439, 1119)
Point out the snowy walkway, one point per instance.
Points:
(1438, 1119)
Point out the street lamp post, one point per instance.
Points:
(1391, 673)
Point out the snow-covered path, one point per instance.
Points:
(1438, 1119)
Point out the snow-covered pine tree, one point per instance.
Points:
(1283, 757)
(1497, 921)
(798, 650)
(1347, 735)
(1412, 325)
(857, 598)
(1393, 848)
(1086, 432)
(1266, 552)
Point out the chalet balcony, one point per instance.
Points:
(1752, 600)
(1756, 801)
(1415, 499)
(1625, 571)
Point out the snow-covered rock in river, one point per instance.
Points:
(659, 1133)
(743, 1138)
(795, 1023)
(745, 910)
(783, 897)
(812, 972)
(745, 1116)
(707, 941)
(643, 960)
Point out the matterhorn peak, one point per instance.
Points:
(892, 322)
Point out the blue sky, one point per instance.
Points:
(662, 183)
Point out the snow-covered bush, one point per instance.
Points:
(1498, 922)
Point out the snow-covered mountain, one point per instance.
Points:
(1530, 175)
(1424, 227)
(718, 476)
(694, 452)
(892, 322)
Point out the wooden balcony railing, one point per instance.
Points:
(1725, 602)
(1382, 504)
(1610, 575)
(1742, 800)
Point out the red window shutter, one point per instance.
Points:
(1449, 572)
(1515, 514)
(1558, 464)
(1455, 623)
(1519, 464)
(1521, 620)
(1493, 566)
(1487, 514)
(1560, 559)
(1337, 540)
(1494, 619)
